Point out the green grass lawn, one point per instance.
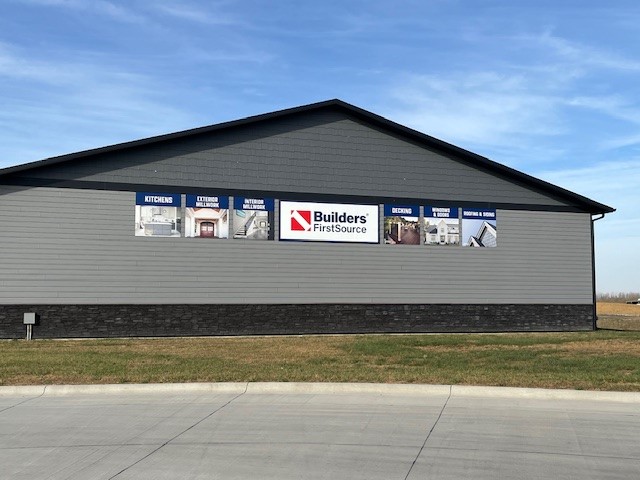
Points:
(601, 360)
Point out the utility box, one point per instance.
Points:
(30, 318)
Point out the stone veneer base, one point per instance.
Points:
(89, 321)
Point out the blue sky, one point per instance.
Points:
(547, 87)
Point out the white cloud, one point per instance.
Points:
(52, 3)
(621, 142)
(583, 55)
(525, 110)
(74, 106)
(480, 108)
(99, 7)
(614, 106)
(616, 182)
(15, 64)
(193, 13)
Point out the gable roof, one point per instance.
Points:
(431, 143)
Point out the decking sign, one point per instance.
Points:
(329, 222)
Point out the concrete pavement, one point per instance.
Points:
(281, 431)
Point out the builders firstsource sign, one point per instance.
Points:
(328, 222)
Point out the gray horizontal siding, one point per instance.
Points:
(322, 152)
(78, 246)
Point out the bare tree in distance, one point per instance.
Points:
(618, 297)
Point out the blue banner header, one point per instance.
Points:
(478, 214)
(207, 201)
(263, 204)
(158, 199)
(441, 212)
(401, 211)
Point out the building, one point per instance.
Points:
(274, 224)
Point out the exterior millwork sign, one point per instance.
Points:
(207, 201)
(207, 216)
(329, 222)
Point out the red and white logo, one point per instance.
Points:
(300, 220)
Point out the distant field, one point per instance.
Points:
(618, 316)
(606, 308)
(600, 360)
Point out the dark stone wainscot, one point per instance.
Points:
(91, 321)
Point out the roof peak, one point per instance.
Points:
(454, 152)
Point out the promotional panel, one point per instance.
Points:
(441, 225)
(479, 228)
(207, 216)
(253, 218)
(401, 225)
(157, 214)
(329, 222)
